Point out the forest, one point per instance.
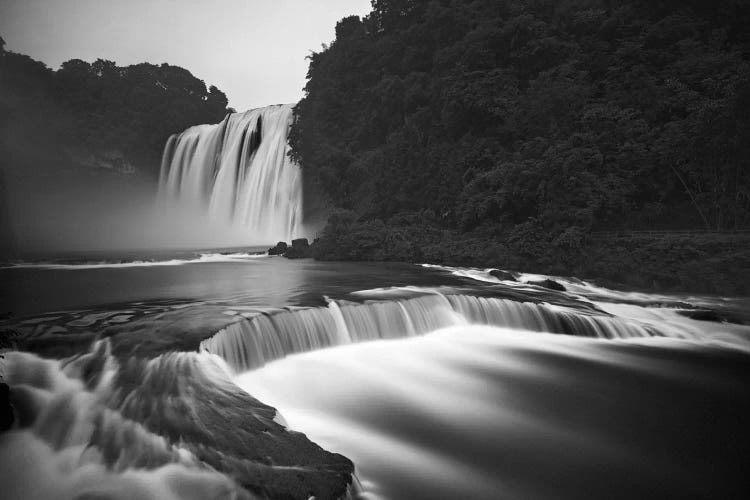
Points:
(120, 114)
(515, 132)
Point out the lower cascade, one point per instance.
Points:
(93, 426)
(251, 342)
(237, 172)
(376, 382)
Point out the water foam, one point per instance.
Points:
(254, 341)
(74, 438)
(103, 264)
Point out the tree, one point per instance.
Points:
(577, 115)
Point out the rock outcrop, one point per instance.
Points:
(502, 275)
(300, 249)
(548, 283)
(280, 248)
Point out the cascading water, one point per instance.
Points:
(634, 400)
(92, 426)
(435, 386)
(492, 413)
(238, 173)
(254, 341)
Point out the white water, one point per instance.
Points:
(238, 173)
(79, 434)
(430, 404)
(587, 290)
(492, 413)
(491, 390)
(254, 341)
(200, 259)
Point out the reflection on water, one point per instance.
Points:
(250, 280)
(482, 412)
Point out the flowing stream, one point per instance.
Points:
(460, 396)
(435, 382)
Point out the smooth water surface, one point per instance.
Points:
(247, 278)
(437, 382)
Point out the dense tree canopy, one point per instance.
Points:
(98, 106)
(520, 118)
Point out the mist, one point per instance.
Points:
(52, 212)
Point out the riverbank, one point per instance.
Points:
(711, 263)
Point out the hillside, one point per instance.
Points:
(84, 142)
(97, 114)
(526, 126)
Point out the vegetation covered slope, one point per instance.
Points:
(125, 113)
(527, 124)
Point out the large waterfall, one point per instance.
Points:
(238, 173)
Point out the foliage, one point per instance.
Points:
(346, 238)
(708, 263)
(98, 106)
(530, 122)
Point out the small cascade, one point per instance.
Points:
(255, 341)
(545, 318)
(93, 426)
(238, 173)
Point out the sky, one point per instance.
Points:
(252, 50)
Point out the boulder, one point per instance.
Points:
(6, 410)
(502, 275)
(550, 284)
(300, 243)
(702, 315)
(300, 249)
(280, 249)
(710, 315)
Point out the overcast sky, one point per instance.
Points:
(253, 50)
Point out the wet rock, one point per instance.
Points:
(710, 315)
(280, 249)
(224, 427)
(300, 249)
(703, 315)
(502, 275)
(550, 284)
(6, 410)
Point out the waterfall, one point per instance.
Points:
(255, 341)
(238, 173)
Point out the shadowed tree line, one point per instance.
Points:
(126, 113)
(527, 124)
